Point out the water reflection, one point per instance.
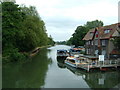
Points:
(96, 79)
(27, 75)
(45, 69)
(60, 63)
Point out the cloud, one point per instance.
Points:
(63, 16)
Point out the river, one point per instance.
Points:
(45, 71)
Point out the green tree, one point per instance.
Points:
(23, 30)
(81, 31)
(12, 19)
(78, 36)
(50, 41)
(34, 29)
(69, 42)
(116, 42)
(93, 24)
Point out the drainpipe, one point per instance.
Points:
(108, 56)
(99, 44)
(94, 47)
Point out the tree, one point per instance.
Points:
(78, 36)
(50, 41)
(23, 30)
(11, 24)
(117, 43)
(81, 31)
(34, 29)
(12, 19)
(93, 24)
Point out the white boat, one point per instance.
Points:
(71, 61)
(74, 61)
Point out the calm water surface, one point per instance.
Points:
(45, 71)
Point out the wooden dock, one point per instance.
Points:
(101, 65)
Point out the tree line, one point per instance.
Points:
(81, 31)
(22, 31)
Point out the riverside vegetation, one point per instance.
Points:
(22, 31)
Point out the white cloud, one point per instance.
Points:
(63, 16)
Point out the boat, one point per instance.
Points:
(71, 61)
(76, 50)
(75, 61)
(62, 54)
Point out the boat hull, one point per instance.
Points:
(62, 57)
(70, 64)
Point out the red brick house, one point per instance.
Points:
(99, 40)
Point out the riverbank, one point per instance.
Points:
(36, 50)
(44, 69)
(23, 57)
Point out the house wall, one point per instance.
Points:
(89, 47)
(111, 46)
(104, 47)
(100, 41)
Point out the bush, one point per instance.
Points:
(14, 55)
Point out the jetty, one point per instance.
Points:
(92, 62)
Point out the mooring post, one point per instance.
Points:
(88, 68)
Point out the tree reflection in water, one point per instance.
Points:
(95, 79)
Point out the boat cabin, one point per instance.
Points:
(62, 53)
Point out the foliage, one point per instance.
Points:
(61, 42)
(22, 31)
(50, 41)
(116, 42)
(78, 36)
(81, 31)
(93, 24)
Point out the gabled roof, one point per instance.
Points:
(88, 36)
(113, 28)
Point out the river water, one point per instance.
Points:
(45, 71)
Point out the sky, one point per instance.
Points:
(62, 17)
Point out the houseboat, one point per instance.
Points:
(74, 61)
(62, 54)
(71, 61)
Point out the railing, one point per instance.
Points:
(99, 64)
(106, 62)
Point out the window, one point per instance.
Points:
(103, 42)
(96, 42)
(91, 33)
(106, 31)
(88, 43)
(91, 42)
(96, 34)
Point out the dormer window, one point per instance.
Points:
(96, 34)
(91, 33)
(106, 31)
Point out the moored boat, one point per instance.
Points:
(62, 53)
(75, 61)
(76, 50)
(71, 61)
